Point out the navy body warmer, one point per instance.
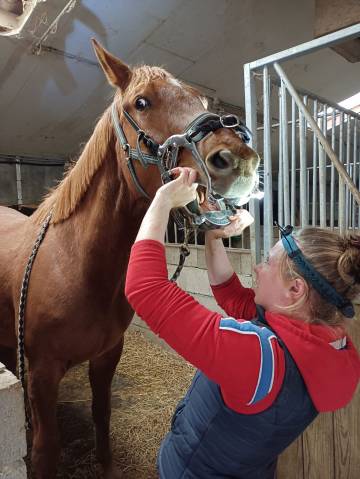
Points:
(209, 440)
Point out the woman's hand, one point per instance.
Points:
(182, 190)
(239, 222)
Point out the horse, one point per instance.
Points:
(76, 309)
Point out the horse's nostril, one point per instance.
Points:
(219, 162)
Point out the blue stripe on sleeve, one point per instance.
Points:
(267, 363)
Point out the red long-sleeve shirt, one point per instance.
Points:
(232, 357)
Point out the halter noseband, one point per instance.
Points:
(165, 158)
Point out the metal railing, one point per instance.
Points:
(309, 145)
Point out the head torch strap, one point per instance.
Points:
(316, 279)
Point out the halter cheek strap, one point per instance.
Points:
(316, 279)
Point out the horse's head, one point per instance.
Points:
(160, 122)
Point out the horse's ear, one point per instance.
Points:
(117, 72)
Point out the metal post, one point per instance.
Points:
(19, 182)
(332, 181)
(285, 155)
(280, 167)
(314, 178)
(293, 160)
(251, 121)
(341, 206)
(354, 172)
(268, 187)
(303, 178)
(322, 173)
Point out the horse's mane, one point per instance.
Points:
(65, 197)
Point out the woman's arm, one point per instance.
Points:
(217, 262)
(175, 194)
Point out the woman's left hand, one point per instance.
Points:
(238, 223)
(180, 191)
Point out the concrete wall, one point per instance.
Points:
(35, 179)
(12, 429)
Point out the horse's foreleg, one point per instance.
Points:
(101, 372)
(43, 384)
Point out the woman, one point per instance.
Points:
(266, 370)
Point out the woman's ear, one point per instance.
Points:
(297, 289)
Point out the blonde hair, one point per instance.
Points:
(337, 258)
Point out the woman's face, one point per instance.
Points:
(271, 290)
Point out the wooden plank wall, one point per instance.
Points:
(330, 447)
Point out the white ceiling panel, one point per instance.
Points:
(193, 29)
(156, 56)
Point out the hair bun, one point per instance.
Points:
(354, 241)
(349, 260)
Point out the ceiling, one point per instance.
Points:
(49, 102)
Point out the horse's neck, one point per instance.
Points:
(105, 223)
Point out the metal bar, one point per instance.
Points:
(285, 155)
(293, 161)
(332, 181)
(268, 200)
(354, 172)
(19, 182)
(251, 121)
(175, 232)
(280, 167)
(303, 179)
(347, 192)
(358, 162)
(351, 215)
(308, 47)
(314, 178)
(308, 186)
(341, 205)
(322, 174)
(340, 168)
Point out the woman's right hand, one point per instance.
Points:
(180, 191)
(239, 222)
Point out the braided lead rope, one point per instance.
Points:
(22, 306)
(184, 253)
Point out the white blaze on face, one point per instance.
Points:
(204, 102)
(203, 99)
(175, 82)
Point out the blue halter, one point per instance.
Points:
(317, 280)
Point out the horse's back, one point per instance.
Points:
(9, 217)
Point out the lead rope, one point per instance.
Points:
(21, 314)
(184, 253)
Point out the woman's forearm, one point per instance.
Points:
(155, 221)
(218, 264)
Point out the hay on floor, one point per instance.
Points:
(148, 383)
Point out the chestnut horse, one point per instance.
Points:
(76, 309)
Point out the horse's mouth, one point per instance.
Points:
(207, 203)
(204, 202)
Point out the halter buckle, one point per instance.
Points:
(229, 121)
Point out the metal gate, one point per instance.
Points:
(309, 145)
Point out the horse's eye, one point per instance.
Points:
(141, 103)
